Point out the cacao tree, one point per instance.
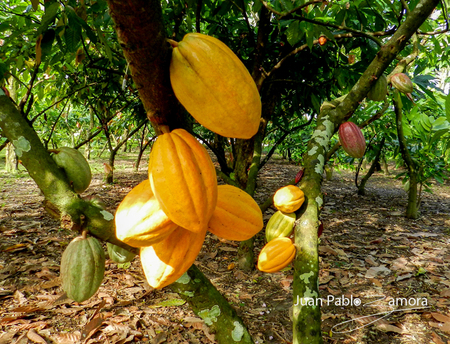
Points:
(84, 54)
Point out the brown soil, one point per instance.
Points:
(369, 251)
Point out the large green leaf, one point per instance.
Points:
(447, 106)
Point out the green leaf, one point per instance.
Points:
(169, 303)
(294, 33)
(49, 16)
(72, 37)
(447, 106)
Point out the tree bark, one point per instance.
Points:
(75, 213)
(412, 209)
(375, 162)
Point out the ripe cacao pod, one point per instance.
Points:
(164, 262)
(237, 216)
(320, 229)
(119, 254)
(214, 86)
(276, 255)
(299, 176)
(379, 89)
(82, 268)
(352, 139)
(280, 225)
(183, 179)
(288, 198)
(75, 167)
(139, 219)
(402, 83)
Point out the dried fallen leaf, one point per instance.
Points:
(377, 270)
(444, 327)
(35, 338)
(67, 338)
(436, 338)
(441, 317)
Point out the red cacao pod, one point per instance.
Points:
(299, 176)
(352, 139)
(320, 229)
(402, 83)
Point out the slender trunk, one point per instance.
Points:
(385, 165)
(361, 187)
(412, 209)
(87, 151)
(11, 159)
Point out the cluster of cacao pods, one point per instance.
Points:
(280, 250)
(399, 80)
(168, 214)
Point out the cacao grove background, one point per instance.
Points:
(71, 79)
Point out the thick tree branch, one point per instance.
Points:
(141, 34)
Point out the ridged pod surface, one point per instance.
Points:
(82, 268)
(214, 86)
(183, 179)
(164, 262)
(352, 139)
(276, 255)
(118, 254)
(280, 225)
(402, 83)
(288, 199)
(379, 89)
(139, 219)
(237, 216)
(75, 167)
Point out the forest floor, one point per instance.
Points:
(383, 278)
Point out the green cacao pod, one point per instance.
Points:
(75, 166)
(402, 83)
(379, 89)
(82, 268)
(352, 139)
(280, 225)
(119, 254)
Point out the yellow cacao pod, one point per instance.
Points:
(183, 179)
(139, 218)
(280, 225)
(288, 198)
(276, 255)
(214, 86)
(237, 216)
(164, 262)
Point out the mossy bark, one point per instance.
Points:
(75, 213)
(412, 209)
(212, 307)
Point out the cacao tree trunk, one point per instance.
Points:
(11, 160)
(385, 165)
(412, 209)
(375, 162)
